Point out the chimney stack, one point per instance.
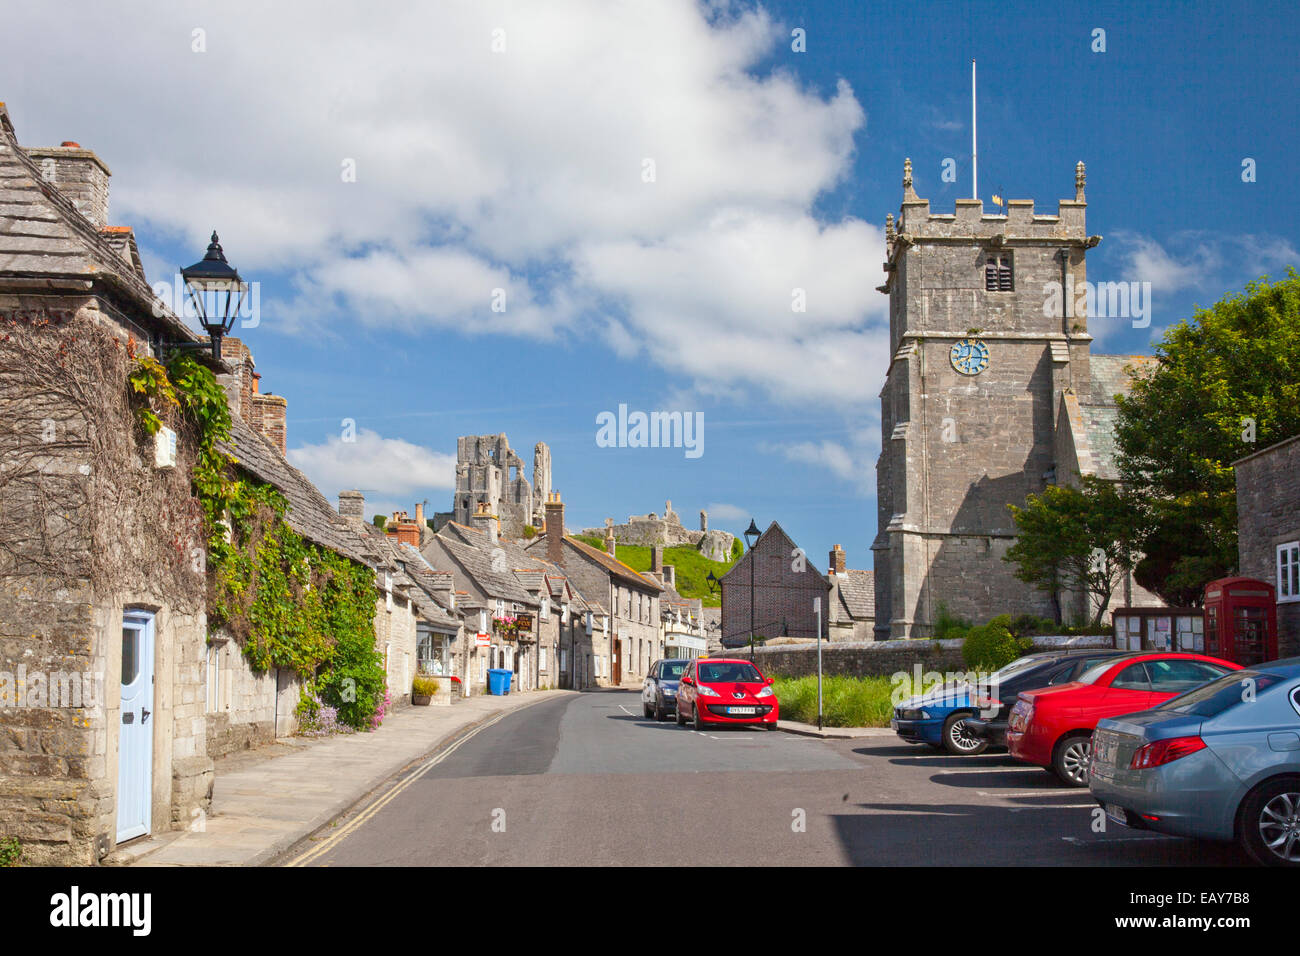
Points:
(837, 560)
(611, 546)
(268, 413)
(657, 559)
(554, 529)
(79, 175)
(401, 527)
(484, 520)
(352, 504)
(670, 576)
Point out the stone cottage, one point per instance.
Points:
(103, 733)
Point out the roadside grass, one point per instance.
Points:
(846, 701)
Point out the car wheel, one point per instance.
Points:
(957, 739)
(659, 711)
(699, 721)
(1072, 758)
(645, 711)
(681, 718)
(1270, 823)
(771, 726)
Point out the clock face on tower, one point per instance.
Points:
(969, 356)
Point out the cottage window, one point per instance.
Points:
(501, 607)
(541, 658)
(214, 678)
(998, 275)
(1288, 571)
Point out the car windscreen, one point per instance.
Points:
(672, 670)
(1212, 699)
(1021, 664)
(729, 672)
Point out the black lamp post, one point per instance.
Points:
(212, 281)
(751, 532)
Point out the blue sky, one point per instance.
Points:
(524, 169)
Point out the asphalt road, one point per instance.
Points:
(587, 780)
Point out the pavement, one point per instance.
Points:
(266, 800)
(832, 733)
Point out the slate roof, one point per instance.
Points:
(1111, 375)
(857, 591)
(45, 238)
(310, 514)
(477, 563)
(1109, 378)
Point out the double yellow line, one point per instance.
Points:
(339, 836)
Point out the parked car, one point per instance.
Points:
(659, 691)
(726, 691)
(1221, 762)
(1052, 727)
(947, 717)
(1046, 670)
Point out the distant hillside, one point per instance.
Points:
(692, 567)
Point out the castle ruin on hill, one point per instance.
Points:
(650, 529)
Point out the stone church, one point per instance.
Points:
(992, 394)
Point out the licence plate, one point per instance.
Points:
(1116, 814)
(742, 710)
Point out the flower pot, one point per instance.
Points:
(421, 700)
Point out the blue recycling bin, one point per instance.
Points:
(499, 681)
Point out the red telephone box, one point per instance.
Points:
(1241, 620)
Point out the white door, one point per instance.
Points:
(135, 744)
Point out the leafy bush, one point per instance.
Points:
(991, 646)
(529, 532)
(737, 549)
(424, 686)
(11, 852)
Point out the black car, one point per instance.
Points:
(1039, 670)
(659, 692)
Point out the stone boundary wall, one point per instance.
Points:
(883, 658)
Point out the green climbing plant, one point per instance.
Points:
(289, 602)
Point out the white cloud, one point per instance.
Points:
(719, 511)
(521, 170)
(376, 465)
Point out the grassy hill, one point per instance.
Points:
(692, 567)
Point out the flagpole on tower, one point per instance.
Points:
(974, 156)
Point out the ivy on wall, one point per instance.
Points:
(288, 602)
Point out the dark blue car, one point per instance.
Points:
(659, 692)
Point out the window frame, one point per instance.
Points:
(1003, 266)
(1287, 558)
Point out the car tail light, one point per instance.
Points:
(1165, 751)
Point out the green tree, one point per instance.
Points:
(1226, 383)
(1077, 538)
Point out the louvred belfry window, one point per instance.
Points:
(998, 275)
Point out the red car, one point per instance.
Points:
(1053, 727)
(724, 691)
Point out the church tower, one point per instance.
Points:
(985, 346)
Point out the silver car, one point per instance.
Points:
(1220, 762)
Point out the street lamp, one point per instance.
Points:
(212, 281)
(751, 532)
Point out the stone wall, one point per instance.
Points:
(1268, 514)
(883, 658)
(90, 529)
